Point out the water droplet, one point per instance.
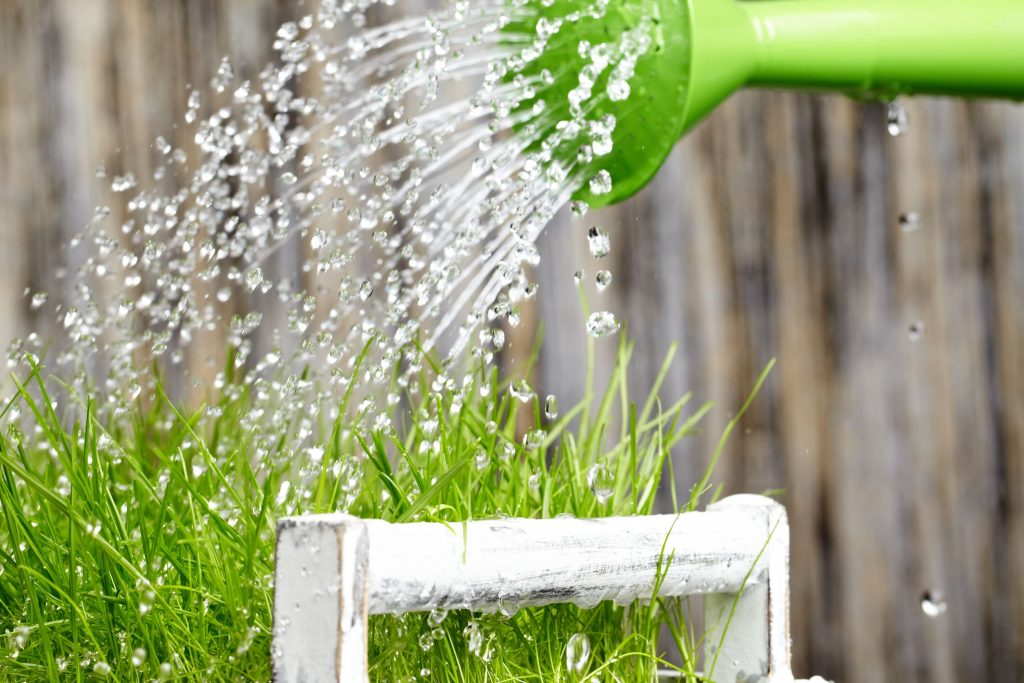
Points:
(101, 669)
(618, 90)
(125, 307)
(534, 439)
(916, 330)
(224, 75)
(910, 221)
(933, 603)
(123, 183)
(21, 634)
(551, 407)
(602, 324)
(577, 277)
(601, 483)
(474, 637)
(505, 451)
(599, 242)
(521, 390)
(578, 208)
(896, 118)
(487, 650)
(164, 672)
(481, 460)
(254, 278)
(577, 653)
(436, 617)
(603, 280)
(147, 596)
(601, 183)
(282, 493)
(71, 317)
(138, 657)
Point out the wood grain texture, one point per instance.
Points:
(771, 232)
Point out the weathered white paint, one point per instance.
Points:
(528, 562)
(755, 620)
(333, 571)
(320, 601)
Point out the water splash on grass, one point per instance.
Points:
(414, 161)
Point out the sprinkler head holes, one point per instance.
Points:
(619, 68)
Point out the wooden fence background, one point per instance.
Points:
(771, 233)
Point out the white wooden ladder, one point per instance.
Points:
(333, 571)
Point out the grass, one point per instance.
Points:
(141, 549)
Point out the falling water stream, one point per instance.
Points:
(415, 162)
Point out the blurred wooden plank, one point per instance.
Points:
(773, 232)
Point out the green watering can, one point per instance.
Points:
(704, 50)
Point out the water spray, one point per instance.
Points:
(418, 158)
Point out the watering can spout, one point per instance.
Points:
(864, 48)
(705, 50)
(723, 55)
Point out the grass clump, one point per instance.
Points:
(142, 549)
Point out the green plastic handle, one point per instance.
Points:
(865, 48)
(971, 48)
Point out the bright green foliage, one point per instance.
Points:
(146, 552)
